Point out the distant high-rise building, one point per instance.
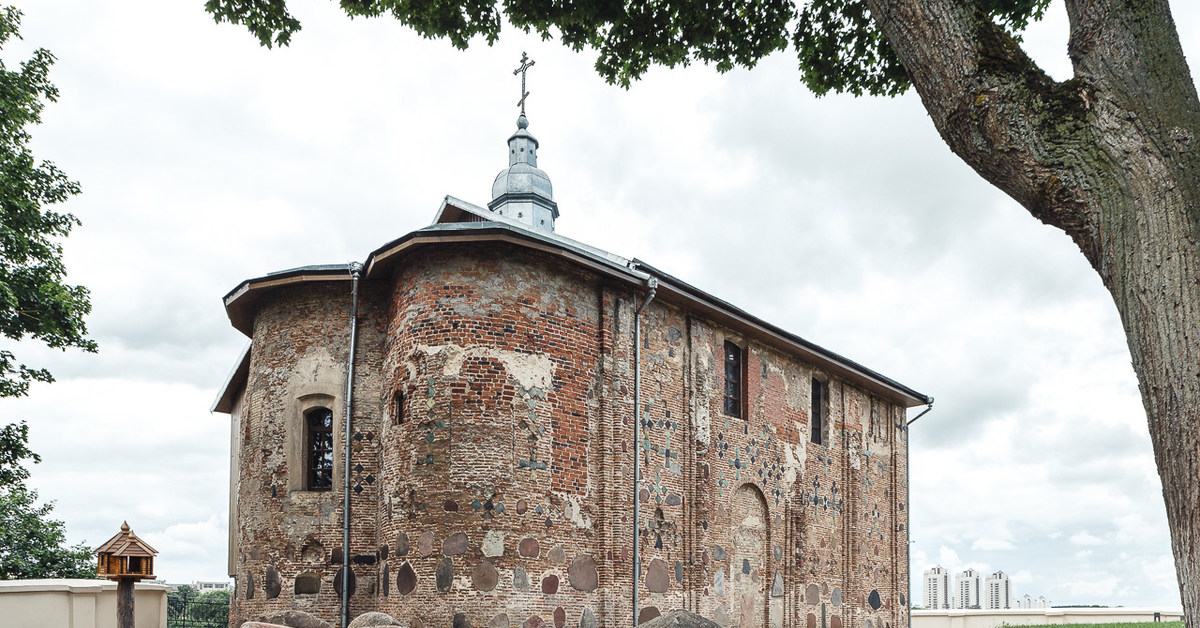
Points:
(969, 585)
(998, 592)
(937, 587)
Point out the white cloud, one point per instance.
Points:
(992, 545)
(206, 160)
(1083, 537)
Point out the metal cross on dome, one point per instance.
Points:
(526, 63)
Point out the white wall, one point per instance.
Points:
(77, 604)
(1034, 616)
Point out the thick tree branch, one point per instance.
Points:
(998, 111)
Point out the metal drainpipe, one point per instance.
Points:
(652, 285)
(908, 507)
(355, 271)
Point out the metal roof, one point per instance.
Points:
(459, 222)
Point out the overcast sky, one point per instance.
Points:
(206, 160)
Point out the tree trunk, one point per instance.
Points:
(125, 603)
(1112, 157)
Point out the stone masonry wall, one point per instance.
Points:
(491, 504)
(289, 538)
(494, 426)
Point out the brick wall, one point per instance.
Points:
(501, 492)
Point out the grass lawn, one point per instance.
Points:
(1143, 624)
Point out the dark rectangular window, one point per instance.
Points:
(398, 407)
(819, 394)
(319, 472)
(733, 379)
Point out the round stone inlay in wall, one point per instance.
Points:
(406, 579)
(657, 576)
(811, 621)
(529, 547)
(313, 553)
(499, 621)
(588, 618)
(560, 617)
(521, 506)
(386, 578)
(350, 580)
(455, 544)
(582, 572)
(520, 578)
(719, 553)
(460, 621)
(648, 613)
(307, 584)
(425, 543)
(533, 622)
(416, 623)
(550, 584)
(444, 575)
(835, 621)
(450, 506)
(874, 600)
(836, 597)
(812, 594)
(271, 585)
(401, 544)
(484, 577)
(557, 555)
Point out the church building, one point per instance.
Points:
(450, 432)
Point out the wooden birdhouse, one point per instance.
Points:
(126, 556)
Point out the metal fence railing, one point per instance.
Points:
(197, 611)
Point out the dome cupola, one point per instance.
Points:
(522, 191)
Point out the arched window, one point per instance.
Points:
(318, 449)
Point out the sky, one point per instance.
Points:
(206, 160)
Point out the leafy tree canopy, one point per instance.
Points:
(32, 545)
(838, 46)
(35, 301)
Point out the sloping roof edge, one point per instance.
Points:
(483, 225)
(234, 382)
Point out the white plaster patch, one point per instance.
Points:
(794, 460)
(493, 543)
(572, 510)
(701, 419)
(530, 370)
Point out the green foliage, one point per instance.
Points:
(837, 44)
(35, 301)
(188, 609)
(34, 546)
(31, 544)
(14, 448)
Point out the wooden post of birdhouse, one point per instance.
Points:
(126, 559)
